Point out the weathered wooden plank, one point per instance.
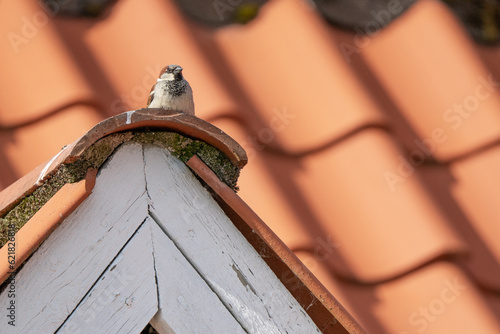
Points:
(69, 262)
(124, 298)
(218, 251)
(187, 304)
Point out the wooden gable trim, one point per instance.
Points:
(141, 197)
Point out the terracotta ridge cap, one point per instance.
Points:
(185, 124)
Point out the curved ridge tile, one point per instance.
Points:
(373, 206)
(304, 77)
(159, 36)
(38, 75)
(189, 125)
(430, 69)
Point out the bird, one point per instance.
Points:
(171, 91)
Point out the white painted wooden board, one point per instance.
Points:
(210, 278)
(187, 304)
(218, 251)
(68, 263)
(125, 297)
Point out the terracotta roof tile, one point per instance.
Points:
(319, 90)
(28, 146)
(357, 172)
(476, 188)
(429, 300)
(174, 43)
(42, 77)
(445, 89)
(480, 261)
(266, 242)
(46, 220)
(152, 118)
(327, 117)
(274, 173)
(494, 302)
(489, 56)
(327, 313)
(432, 300)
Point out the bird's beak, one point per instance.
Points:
(178, 69)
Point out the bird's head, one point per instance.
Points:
(171, 72)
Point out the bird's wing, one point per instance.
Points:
(151, 95)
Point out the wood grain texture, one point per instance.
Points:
(72, 258)
(124, 298)
(187, 304)
(217, 250)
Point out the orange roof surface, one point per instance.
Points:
(374, 157)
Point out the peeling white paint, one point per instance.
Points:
(129, 116)
(46, 168)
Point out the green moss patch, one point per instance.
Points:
(180, 146)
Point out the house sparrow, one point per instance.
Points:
(172, 91)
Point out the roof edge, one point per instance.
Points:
(41, 225)
(165, 120)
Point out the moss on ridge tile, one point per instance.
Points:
(93, 157)
(184, 148)
(180, 146)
